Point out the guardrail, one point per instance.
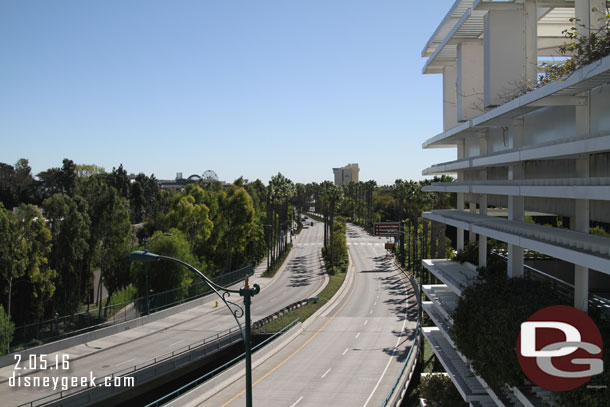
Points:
(261, 322)
(203, 378)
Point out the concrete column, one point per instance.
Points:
(592, 20)
(483, 239)
(472, 237)
(469, 79)
(449, 97)
(516, 210)
(508, 68)
(460, 232)
(460, 195)
(580, 223)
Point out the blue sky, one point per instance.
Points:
(246, 88)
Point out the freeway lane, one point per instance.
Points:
(301, 278)
(351, 355)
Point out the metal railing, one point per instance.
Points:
(131, 369)
(565, 290)
(199, 380)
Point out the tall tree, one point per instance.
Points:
(237, 222)
(334, 195)
(191, 215)
(115, 241)
(25, 245)
(69, 223)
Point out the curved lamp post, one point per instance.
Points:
(236, 310)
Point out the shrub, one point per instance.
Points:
(470, 253)
(439, 391)
(487, 321)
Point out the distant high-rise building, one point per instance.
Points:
(345, 175)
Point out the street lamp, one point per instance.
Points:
(237, 311)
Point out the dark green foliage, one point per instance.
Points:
(470, 254)
(163, 276)
(16, 184)
(439, 391)
(341, 260)
(143, 196)
(487, 321)
(68, 220)
(496, 268)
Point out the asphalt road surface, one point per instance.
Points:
(353, 353)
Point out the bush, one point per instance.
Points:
(439, 391)
(487, 321)
(340, 261)
(496, 268)
(470, 254)
(596, 392)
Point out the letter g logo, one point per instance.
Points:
(555, 344)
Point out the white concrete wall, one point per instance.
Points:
(549, 124)
(600, 111)
(543, 169)
(472, 147)
(498, 139)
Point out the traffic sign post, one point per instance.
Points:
(386, 229)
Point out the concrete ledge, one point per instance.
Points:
(51, 347)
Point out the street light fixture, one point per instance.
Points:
(237, 311)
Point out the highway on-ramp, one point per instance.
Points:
(301, 278)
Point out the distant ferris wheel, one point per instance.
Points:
(210, 175)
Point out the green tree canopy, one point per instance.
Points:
(165, 275)
(25, 245)
(69, 223)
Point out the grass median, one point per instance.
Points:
(334, 283)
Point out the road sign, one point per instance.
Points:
(389, 246)
(386, 228)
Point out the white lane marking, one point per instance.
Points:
(345, 351)
(297, 402)
(404, 322)
(172, 344)
(366, 322)
(327, 372)
(375, 302)
(377, 296)
(357, 335)
(273, 299)
(306, 244)
(125, 361)
(370, 312)
(319, 244)
(370, 244)
(356, 244)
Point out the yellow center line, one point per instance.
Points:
(300, 348)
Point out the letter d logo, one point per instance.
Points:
(559, 348)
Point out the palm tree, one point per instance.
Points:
(334, 196)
